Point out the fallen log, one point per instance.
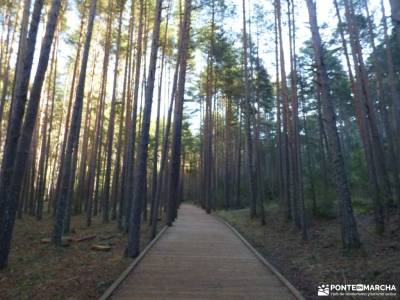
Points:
(82, 239)
(103, 248)
(65, 240)
(105, 238)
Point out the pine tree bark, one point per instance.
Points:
(25, 139)
(95, 155)
(131, 140)
(395, 6)
(278, 126)
(290, 210)
(155, 183)
(174, 175)
(6, 76)
(296, 157)
(128, 122)
(248, 131)
(132, 249)
(380, 94)
(239, 158)
(374, 152)
(43, 148)
(74, 132)
(228, 182)
(82, 188)
(110, 131)
(349, 231)
(389, 58)
(17, 111)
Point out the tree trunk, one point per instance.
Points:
(173, 192)
(286, 122)
(296, 155)
(248, 111)
(6, 75)
(278, 138)
(132, 249)
(110, 133)
(16, 116)
(130, 151)
(154, 203)
(350, 237)
(73, 133)
(373, 148)
(25, 139)
(165, 147)
(128, 123)
(43, 148)
(395, 6)
(393, 82)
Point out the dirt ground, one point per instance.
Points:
(321, 260)
(42, 271)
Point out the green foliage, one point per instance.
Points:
(362, 206)
(326, 203)
(359, 176)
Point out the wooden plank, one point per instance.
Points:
(107, 294)
(295, 292)
(202, 258)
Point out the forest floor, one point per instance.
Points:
(42, 271)
(321, 260)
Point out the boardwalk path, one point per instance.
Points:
(201, 258)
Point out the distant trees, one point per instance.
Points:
(312, 132)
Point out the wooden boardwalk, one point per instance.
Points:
(201, 258)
